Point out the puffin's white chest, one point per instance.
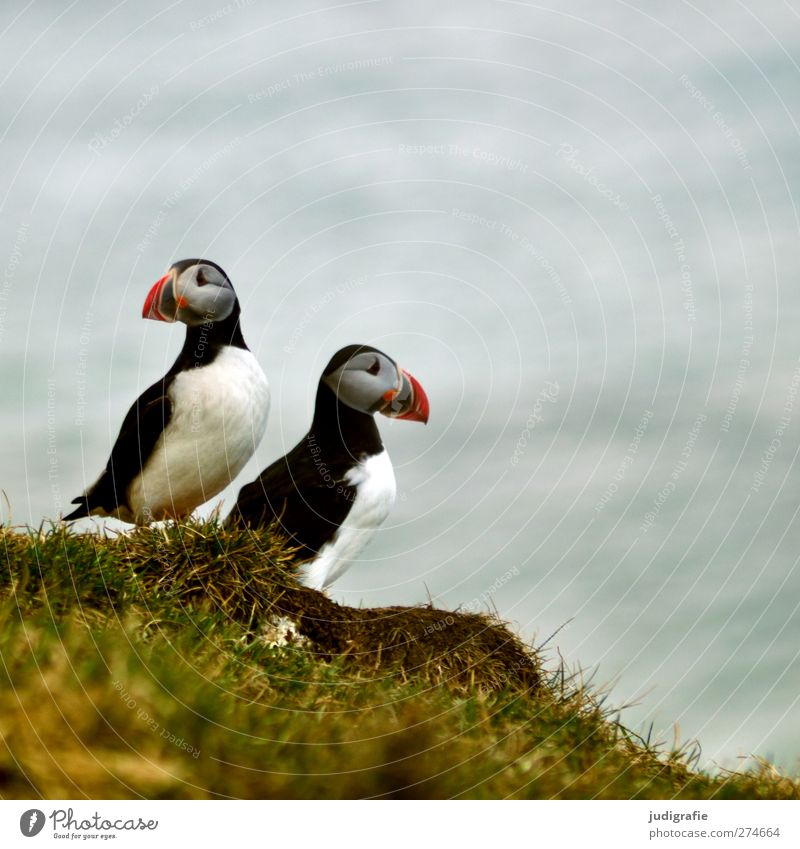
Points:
(219, 414)
(375, 493)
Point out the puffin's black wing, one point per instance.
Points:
(308, 497)
(141, 428)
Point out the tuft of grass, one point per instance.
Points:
(137, 666)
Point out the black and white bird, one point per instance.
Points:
(188, 435)
(336, 486)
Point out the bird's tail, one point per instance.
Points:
(79, 512)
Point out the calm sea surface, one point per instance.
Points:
(575, 223)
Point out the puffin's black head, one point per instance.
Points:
(369, 381)
(193, 291)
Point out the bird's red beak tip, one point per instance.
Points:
(420, 407)
(150, 308)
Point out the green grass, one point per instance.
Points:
(137, 666)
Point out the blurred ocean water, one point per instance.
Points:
(576, 223)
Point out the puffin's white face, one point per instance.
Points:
(192, 291)
(371, 382)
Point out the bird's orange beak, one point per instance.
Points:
(410, 402)
(153, 303)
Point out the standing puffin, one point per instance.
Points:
(188, 435)
(337, 485)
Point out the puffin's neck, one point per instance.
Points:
(339, 429)
(204, 341)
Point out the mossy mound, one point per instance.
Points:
(136, 666)
(463, 650)
(248, 578)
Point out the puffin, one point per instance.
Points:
(332, 491)
(188, 435)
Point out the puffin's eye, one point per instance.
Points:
(374, 368)
(201, 278)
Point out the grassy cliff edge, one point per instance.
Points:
(186, 662)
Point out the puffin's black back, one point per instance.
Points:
(306, 490)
